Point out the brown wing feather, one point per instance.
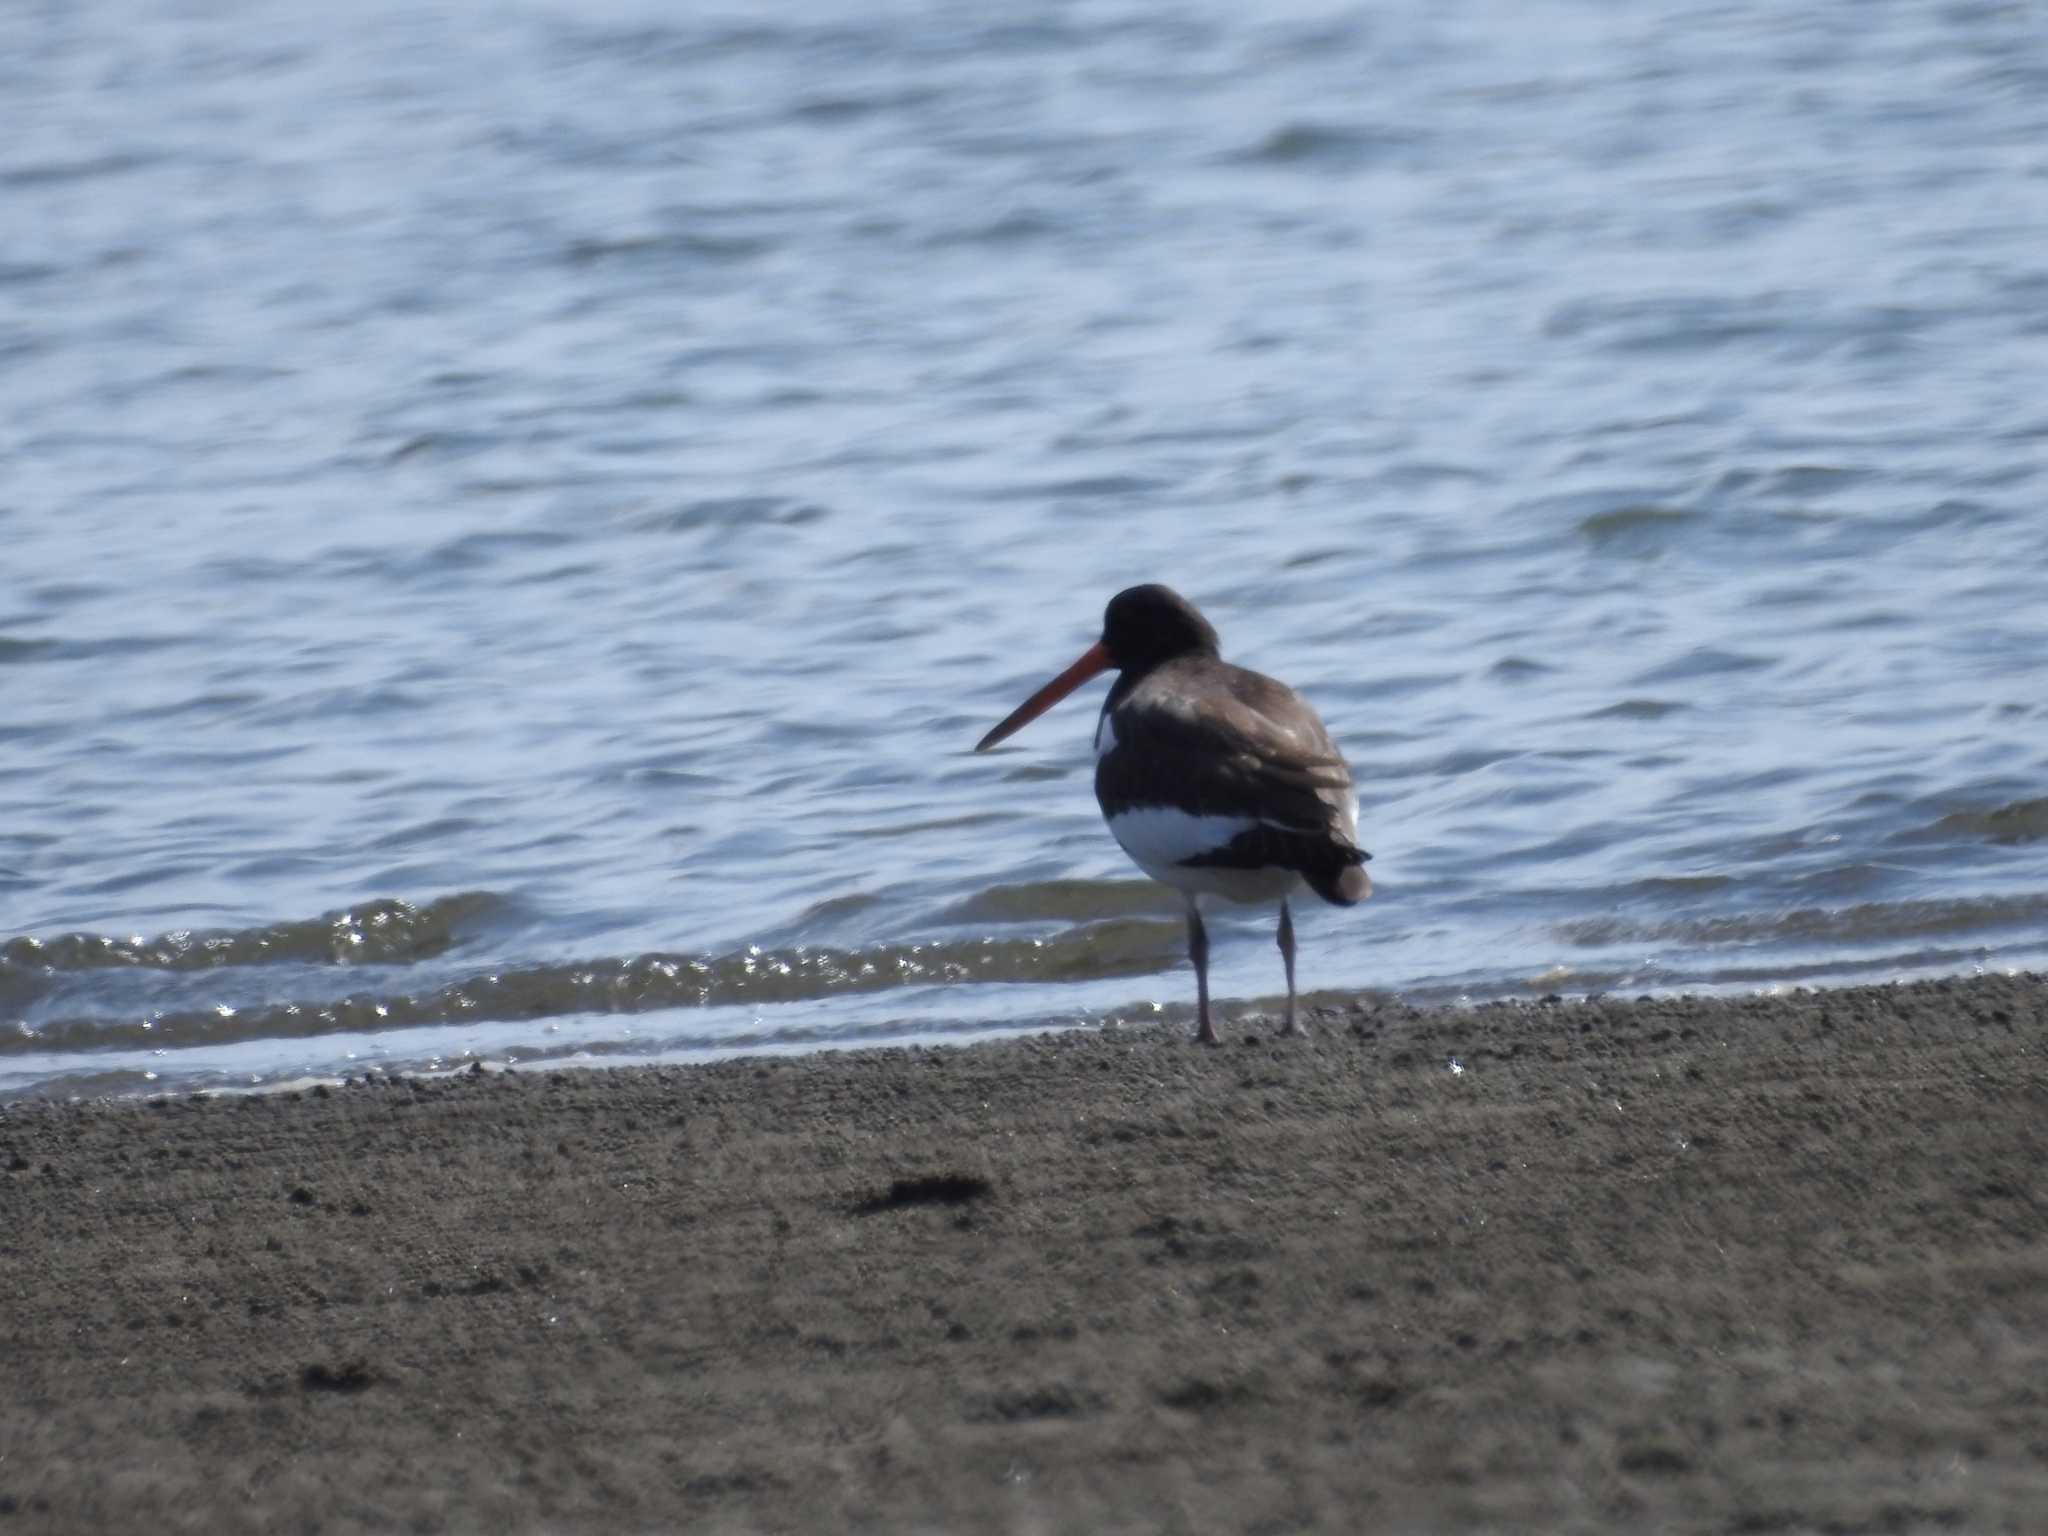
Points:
(1251, 748)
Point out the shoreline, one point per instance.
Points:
(1683, 1264)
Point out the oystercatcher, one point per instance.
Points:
(1216, 780)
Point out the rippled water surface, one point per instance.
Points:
(512, 517)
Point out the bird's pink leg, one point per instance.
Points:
(1287, 954)
(1198, 951)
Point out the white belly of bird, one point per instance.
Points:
(1159, 837)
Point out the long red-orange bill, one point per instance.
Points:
(1093, 660)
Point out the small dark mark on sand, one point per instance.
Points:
(349, 1376)
(934, 1189)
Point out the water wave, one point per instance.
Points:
(382, 932)
(1845, 926)
(752, 977)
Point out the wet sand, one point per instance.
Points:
(1773, 1265)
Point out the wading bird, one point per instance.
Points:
(1216, 780)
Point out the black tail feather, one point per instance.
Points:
(1342, 885)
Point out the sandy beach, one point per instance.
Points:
(1762, 1265)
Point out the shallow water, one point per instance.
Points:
(512, 521)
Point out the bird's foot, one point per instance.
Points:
(1206, 1035)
